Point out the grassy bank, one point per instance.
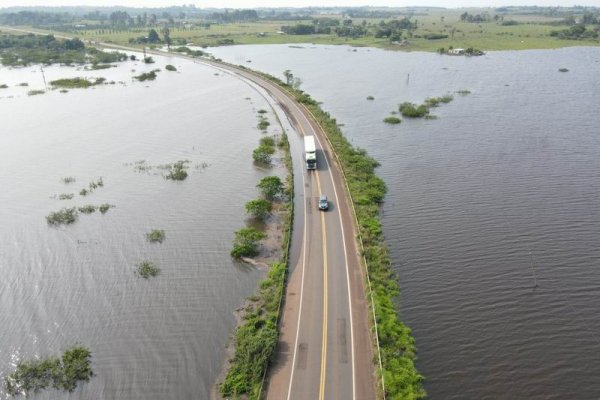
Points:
(367, 190)
(256, 337)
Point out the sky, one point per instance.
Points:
(298, 3)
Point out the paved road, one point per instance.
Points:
(325, 350)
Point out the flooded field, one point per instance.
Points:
(158, 338)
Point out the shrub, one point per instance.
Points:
(177, 170)
(370, 98)
(563, 70)
(259, 208)
(270, 187)
(103, 208)
(147, 269)
(146, 76)
(262, 155)
(65, 216)
(170, 67)
(262, 111)
(64, 373)
(156, 236)
(246, 241)
(392, 120)
(267, 141)
(411, 110)
(72, 83)
(88, 209)
(4, 86)
(263, 124)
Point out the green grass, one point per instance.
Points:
(65, 216)
(60, 373)
(146, 269)
(392, 120)
(155, 236)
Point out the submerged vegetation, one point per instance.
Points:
(76, 83)
(87, 209)
(65, 216)
(146, 269)
(392, 120)
(246, 242)
(103, 208)
(66, 196)
(156, 236)
(59, 373)
(411, 110)
(68, 179)
(35, 92)
(563, 70)
(170, 67)
(259, 208)
(177, 170)
(146, 76)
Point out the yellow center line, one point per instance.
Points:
(324, 345)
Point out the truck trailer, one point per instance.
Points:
(310, 152)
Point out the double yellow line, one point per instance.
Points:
(324, 343)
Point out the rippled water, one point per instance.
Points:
(510, 169)
(151, 339)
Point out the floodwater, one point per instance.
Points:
(492, 215)
(159, 338)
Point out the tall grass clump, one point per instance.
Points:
(367, 190)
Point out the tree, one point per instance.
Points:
(259, 208)
(289, 77)
(167, 35)
(246, 241)
(153, 36)
(270, 187)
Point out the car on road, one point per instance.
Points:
(323, 203)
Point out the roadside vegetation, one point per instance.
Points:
(367, 190)
(256, 337)
(53, 372)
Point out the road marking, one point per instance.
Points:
(325, 300)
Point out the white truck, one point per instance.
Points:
(310, 152)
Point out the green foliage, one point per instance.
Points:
(156, 236)
(146, 76)
(103, 208)
(177, 170)
(262, 154)
(270, 187)
(83, 192)
(259, 208)
(170, 67)
(263, 124)
(246, 241)
(256, 339)
(267, 141)
(66, 196)
(65, 216)
(35, 375)
(88, 209)
(262, 111)
(71, 83)
(392, 120)
(411, 110)
(146, 269)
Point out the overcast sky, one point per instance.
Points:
(298, 3)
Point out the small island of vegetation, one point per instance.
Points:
(392, 120)
(156, 236)
(59, 373)
(146, 269)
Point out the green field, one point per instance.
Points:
(529, 31)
